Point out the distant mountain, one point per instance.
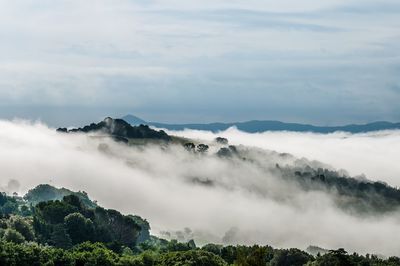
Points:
(268, 125)
(134, 120)
(121, 130)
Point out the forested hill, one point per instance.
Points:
(354, 195)
(120, 130)
(69, 232)
(268, 125)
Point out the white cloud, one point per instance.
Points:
(373, 154)
(156, 183)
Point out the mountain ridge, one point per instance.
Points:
(257, 126)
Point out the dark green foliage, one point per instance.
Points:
(53, 212)
(153, 244)
(69, 220)
(229, 254)
(335, 258)
(253, 256)
(79, 228)
(213, 248)
(174, 245)
(227, 152)
(32, 255)
(144, 233)
(191, 258)
(189, 146)
(100, 254)
(46, 192)
(11, 235)
(354, 195)
(202, 148)
(68, 232)
(290, 257)
(93, 254)
(3, 199)
(221, 140)
(23, 226)
(59, 237)
(117, 227)
(121, 130)
(13, 205)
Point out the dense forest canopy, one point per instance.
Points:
(70, 232)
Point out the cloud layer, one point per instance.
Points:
(250, 203)
(373, 154)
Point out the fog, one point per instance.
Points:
(375, 154)
(221, 200)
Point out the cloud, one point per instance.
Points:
(247, 203)
(373, 154)
(73, 53)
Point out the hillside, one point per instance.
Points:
(120, 130)
(66, 232)
(350, 194)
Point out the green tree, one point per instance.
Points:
(11, 235)
(3, 198)
(23, 226)
(79, 228)
(290, 257)
(190, 258)
(213, 248)
(60, 238)
(53, 212)
(94, 254)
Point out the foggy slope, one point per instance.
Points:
(250, 195)
(374, 154)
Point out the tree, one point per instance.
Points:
(23, 227)
(221, 140)
(74, 201)
(3, 198)
(79, 228)
(12, 235)
(229, 254)
(93, 254)
(60, 238)
(117, 227)
(191, 258)
(202, 148)
(334, 258)
(174, 245)
(144, 233)
(53, 212)
(189, 146)
(10, 207)
(213, 248)
(290, 257)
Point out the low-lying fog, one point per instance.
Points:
(375, 154)
(248, 203)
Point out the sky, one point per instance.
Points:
(70, 62)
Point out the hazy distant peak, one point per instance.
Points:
(134, 120)
(254, 126)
